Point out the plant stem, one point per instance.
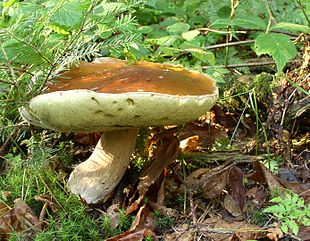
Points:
(303, 11)
(271, 18)
(241, 65)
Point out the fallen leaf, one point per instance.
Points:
(304, 233)
(142, 226)
(20, 218)
(235, 183)
(302, 189)
(263, 175)
(190, 144)
(113, 214)
(232, 208)
(166, 152)
(211, 181)
(257, 194)
(219, 229)
(274, 233)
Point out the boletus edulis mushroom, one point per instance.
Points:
(116, 98)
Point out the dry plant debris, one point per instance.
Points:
(20, 218)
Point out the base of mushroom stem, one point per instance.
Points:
(95, 178)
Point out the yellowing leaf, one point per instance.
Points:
(190, 35)
(279, 46)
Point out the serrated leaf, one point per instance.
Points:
(278, 46)
(178, 28)
(291, 27)
(202, 55)
(190, 35)
(251, 22)
(70, 13)
(247, 22)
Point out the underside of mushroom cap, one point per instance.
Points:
(87, 111)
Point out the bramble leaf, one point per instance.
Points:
(70, 13)
(247, 22)
(291, 27)
(190, 35)
(279, 46)
(178, 28)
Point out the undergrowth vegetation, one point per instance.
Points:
(247, 46)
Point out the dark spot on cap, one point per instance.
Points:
(136, 116)
(99, 111)
(94, 99)
(130, 101)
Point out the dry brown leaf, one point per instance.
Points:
(200, 137)
(5, 220)
(204, 180)
(220, 229)
(257, 194)
(302, 189)
(235, 183)
(165, 153)
(304, 233)
(113, 214)
(231, 207)
(142, 226)
(20, 219)
(263, 175)
(210, 181)
(274, 233)
(190, 144)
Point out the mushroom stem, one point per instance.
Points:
(95, 178)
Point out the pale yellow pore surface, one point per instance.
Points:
(95, 178)
(88, 111)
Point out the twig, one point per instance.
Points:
(241, 65)
(230, 44)
(193, 212)
(222, 156)
(303, 11)
(219, 31)
(234, 6)
(271, 18)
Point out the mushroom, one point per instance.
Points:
(117, 98)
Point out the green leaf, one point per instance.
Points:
(178, 28)
(279, 46)
(291, 27)
(22, 53)
(293, 226)
(59, 29)
(202, 55)
(247, 22)
(190, 35)
(71, 13)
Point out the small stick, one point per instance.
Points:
(241, 65)
(230, 44)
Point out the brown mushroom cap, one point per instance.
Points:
(111, 94)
